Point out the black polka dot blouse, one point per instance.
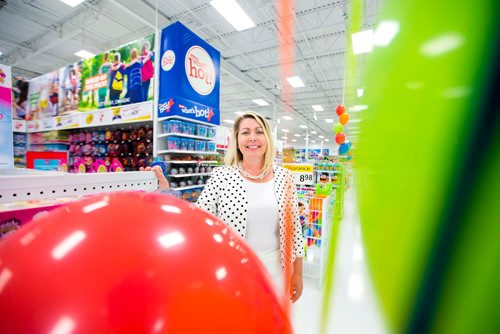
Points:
(225, 196)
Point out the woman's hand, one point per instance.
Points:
(162, 180)
(296, 283)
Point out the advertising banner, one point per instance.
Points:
(43, 96)
(6, 138)
(20, 98)
(189, 76)
(119, 77)
(70, 88)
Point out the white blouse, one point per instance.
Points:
(225, 196)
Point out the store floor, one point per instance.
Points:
(353, 307)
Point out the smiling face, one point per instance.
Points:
(252, 140)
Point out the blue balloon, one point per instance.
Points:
(344, 148)
(349, 158)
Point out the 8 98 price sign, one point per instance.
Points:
(303, 173)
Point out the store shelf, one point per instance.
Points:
(191, 161)
(180, 118)
(183, 135)
(187, 152)
(189, 187)
(328, 171)
(23, 185)
(188, 175)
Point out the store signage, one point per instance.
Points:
(303, 173)
(189, 76)
(6, 137)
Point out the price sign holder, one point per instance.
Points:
(303, 173)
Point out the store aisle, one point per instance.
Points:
(353, 306)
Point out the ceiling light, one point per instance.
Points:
(317, 107)
(233, 13)
(313, 141)
(327, 140)
(303, 126)
(362, 42)
(84, 54)
(260, 102)
(358, 107)
(288, 118)
(385, 32)
(229, 121)
(329, 120)
(239, 113)
(314, 132)
(296, 135)
(284, 137)
(295, 82)
(315, 117)
(1, 53)
(285, 130)
(360, 92)
(72, 3)
(321, 137)
(294, 140)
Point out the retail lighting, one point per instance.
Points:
(296, 135)
(303, 126)
(359, 92)
(317, 107)
(260, 102)
(358, 107)
(229, 121)
(321, 137)
(284, 137)
(84, 54)
(313, 141)
(362, 42)
(72, 3)
(295, 82)
(233, 13)
(294, 140)
(327, 140)
(315, 117)
(385, 32)
(285, 130)
(314, 132)
(239, 113)
(1, 53)
(442, 44)
(329, 120)
(288, 118)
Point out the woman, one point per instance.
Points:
(256, 199)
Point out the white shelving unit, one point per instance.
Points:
(188, 175)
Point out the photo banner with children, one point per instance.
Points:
(43, 97)
(118, 77)
(70, 88)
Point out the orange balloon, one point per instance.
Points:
(344, 118)
(134, 262)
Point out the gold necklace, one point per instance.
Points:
(252, 177)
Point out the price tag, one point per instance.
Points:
(303, 173)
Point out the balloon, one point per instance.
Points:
(134, 262)
(340, 138)
(349, 158)
(337, 128)
(344, 148)
(340, 109)
(344, 118)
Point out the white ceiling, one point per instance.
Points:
(38, 36)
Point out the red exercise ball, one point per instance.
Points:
(340, 138)
(134, 262)
(340, 109)
(344, 118)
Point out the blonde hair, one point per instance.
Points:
(234, 155)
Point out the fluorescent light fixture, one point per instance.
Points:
(239, 113)
(442, 44)
(72, 3)
(313, 141)
(84, 54)
(1, 53)
(362, 42)
(385, 32)
(321, 137)
(315, 117)
(284, 137)
(288, 118)
(296, 135)
(303, 126)
(329, 120)
(358, 107)
(70, 242)
(229, 121)
(294, 140)
(171, 239)
(285, 130)
(295, 82)
(314, 132)
(233, 13)
(327, 140)
(317, 107)
(360, 92)
(260, 102)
